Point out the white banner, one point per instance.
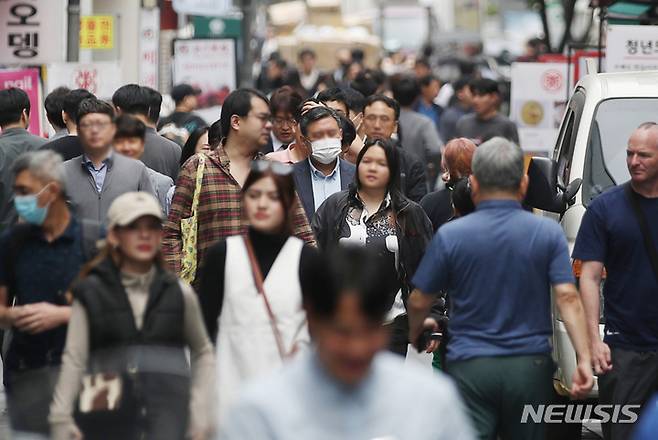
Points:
(538, 101)
(32, 32)
(631, 48)
(208, 64)
(203, 7)
(101, 78)
(149, 39)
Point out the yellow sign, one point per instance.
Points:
(97, 32)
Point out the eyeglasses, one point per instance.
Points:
(97, 125)
(376, 141)
(261, 166)
(283, 121)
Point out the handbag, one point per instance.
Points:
(100, 392)
(650, 247)
(258, 280)
(189, 230)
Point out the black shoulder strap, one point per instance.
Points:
(644, 227)
(92, 231)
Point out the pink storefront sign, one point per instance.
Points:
(27, 80)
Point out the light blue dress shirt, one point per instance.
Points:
(396, 401)
(98, 174)
(324, 186)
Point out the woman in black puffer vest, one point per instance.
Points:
(124, 362)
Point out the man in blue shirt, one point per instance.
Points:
(323, 173)
(39, 259)
(347, 387)
(610, 237)
(497, 266)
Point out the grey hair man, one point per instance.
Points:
(39, 258)
(498, 265)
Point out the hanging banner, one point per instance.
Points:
(97, 32)
(101, 78)
(538, 101)
(149, 38)
(207, 64)
(631, 48)
(32, 32)
(27, 80)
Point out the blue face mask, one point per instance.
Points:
(29, 210)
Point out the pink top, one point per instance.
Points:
(285, 156)
(280, 156)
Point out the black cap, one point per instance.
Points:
(180, 91)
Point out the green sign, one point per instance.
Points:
(214, 27)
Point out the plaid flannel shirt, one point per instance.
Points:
(219, 213)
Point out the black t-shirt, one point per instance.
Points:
(438, 207)
(68, 146)
(211, 287)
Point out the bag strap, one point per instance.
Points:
(258, 280)
(197, 185)
(644, 227)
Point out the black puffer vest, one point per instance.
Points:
(151, 360)
(111, 322)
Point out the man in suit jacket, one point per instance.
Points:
(323, 173)
(98, 176)
(284, 104)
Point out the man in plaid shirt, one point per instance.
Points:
(245, 124)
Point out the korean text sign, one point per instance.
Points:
(632, 48)
(32, 31)
(97, 32)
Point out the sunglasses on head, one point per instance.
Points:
(279, 168)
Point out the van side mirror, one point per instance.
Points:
(543, 191)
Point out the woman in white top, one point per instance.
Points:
(131, 323)
(256, 328)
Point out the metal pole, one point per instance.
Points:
(248, 18)
(602, 13)
(73, 39)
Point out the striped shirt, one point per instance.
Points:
(219, 213)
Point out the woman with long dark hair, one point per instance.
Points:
(125, 357)
(374, 213)
(197, 142)
(250, 291)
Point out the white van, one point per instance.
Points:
(589, 157)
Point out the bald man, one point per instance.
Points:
(610, 235)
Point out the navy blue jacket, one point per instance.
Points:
(304, 185)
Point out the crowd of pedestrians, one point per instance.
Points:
(262, 276)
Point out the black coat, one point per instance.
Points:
(413, 229)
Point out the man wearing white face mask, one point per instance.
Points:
(323, 173)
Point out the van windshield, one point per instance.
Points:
(614, 121)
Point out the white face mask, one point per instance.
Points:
(326, 150)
